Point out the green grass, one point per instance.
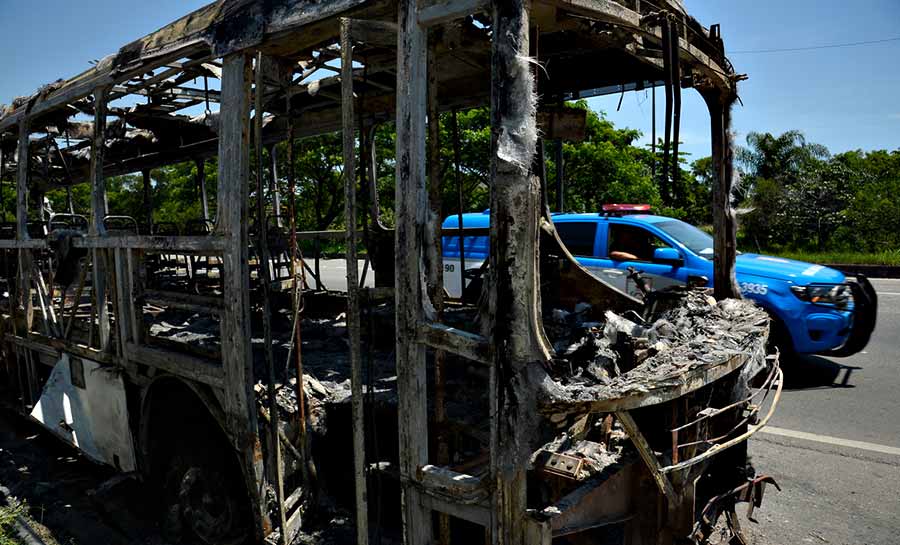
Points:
(887, 257)
(8, 515)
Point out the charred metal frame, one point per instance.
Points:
(254, 50)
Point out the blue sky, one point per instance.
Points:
(845, 98)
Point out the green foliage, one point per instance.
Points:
(606, 167)
(174, 194)
(872, 219)
(886, 257)
(318, 164)
(800, 198)
(8, 516)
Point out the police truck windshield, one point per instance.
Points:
(696, 240)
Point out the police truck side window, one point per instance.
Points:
(632, 243)
(578, 236)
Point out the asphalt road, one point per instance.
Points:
(334, 274)
(840, 474)
(833, 444)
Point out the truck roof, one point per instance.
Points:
(483, 219)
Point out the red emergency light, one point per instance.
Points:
(620, 208)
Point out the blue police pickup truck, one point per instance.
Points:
(815, 309)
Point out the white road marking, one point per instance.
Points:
(837, 441)
(887, 293)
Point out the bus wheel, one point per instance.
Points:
(203, 503)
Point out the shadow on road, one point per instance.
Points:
(810, 372)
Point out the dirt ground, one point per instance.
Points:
(71, 500)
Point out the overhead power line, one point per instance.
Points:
(813, 47)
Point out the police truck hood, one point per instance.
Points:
(797, 272)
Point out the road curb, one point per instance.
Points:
(871, 271)
(23, 528)
(27, 534)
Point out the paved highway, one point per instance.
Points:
(833, 445)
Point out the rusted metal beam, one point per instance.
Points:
(647, 455)
(176, 244)
(170, 93)
(308, 467)
(262, 245)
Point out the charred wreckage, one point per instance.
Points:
(209, 358)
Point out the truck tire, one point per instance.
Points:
(780, 341)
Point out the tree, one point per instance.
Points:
(873, 215)
(779, 175)
(801, 197)
(782, 158)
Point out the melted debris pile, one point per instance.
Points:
(698, 331)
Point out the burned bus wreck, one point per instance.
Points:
(208, 359)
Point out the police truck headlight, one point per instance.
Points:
(836, 295)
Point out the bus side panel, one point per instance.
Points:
(84, 404)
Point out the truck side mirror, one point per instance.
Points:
(668, 256)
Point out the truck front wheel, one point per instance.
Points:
(780, 341)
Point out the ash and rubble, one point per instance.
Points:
(597, 456)
(616, 354)
(627, 352)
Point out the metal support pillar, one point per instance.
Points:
(434, 269)
(348, 119)
(653, 133)
(411, 207)
(560, 172)
(665, 186)
(231, 224)
(98, 213)
(25, 256)
(276, 473)
(201, 187)
(724, 224)
(513, 281)
(273, 184)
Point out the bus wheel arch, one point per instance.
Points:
(189, 457)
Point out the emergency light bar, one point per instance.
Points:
(619, 208)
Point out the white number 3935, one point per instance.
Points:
(758, 289)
